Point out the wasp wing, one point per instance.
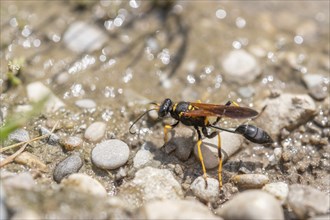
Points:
(203, 109)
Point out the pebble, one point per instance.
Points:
(71, 143)
(143, 157)
(279, 190)
(230, 143)
(251, 204)
(110, 154)
(240, 67)
(246, 92)
(31, 161)
(85, 103)
(286, 111)
(69, 165)
(3, 208)
(19, 181)
(182, 141)
(95, 132)
(250, 181)
(206, 194)
(175, 209)
(37, 91)
(315, 85)
(157, 184)
(53, 139)
(85, 183)
(19, 135)
(83, 37)
(306, 201)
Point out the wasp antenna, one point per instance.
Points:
(136, 120)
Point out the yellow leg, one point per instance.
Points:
(166, 128)
(220, 161)
(200, 155)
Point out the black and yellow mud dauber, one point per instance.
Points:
(199, 116)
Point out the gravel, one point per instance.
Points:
(175, 209)
(85, 103)
(157, 184)
(19, 135)
(110, 154)
(71, 143)
(240, 67)
(69, 165)
(53, 139)
(250, 181)
(143, 157)
(230, 143)
(85, 183)
(279, 190)
(206, 194)
(251, 204)
(286, 111)
(95, 132)
(22, 180)
(306, 201)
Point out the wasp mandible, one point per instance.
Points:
(198, 115)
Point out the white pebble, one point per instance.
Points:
(206, 194)
(37, 91)
(83, 37)
(110, 154)
(230, 143)
(95, 132)
(143, 156)
(251, 204)
(306, 201)
(84, 183)
(176, 209)
(279, 190)
(240, 67)
(85, 103)
(157, 184)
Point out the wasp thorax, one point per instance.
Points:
(164, 108)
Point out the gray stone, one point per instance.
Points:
(110, 154)
(230, 143)
(250, 181)
(306, 201)
(19, 135)
(316, 86)
(240, 67)
(286, 111)
(83, 37)
(157, 184)
(183, 140)
(85, 183)
(52, 139)
(176, 209)
(206, 194)
(251, 204)
(69, 165)
(95, 132)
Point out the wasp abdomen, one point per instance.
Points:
(254, 134)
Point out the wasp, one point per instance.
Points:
(198, 115)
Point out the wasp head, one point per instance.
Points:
(164, 108)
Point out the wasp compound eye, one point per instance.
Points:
(254, 134)
(164, 108)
